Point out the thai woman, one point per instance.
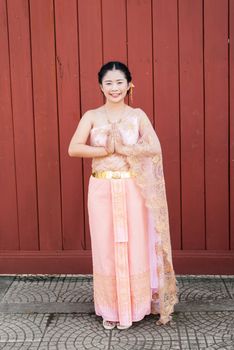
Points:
(133, 273)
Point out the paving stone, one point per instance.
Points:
(207, 329)
(146, 335)
(75, 332)
(53, 307)
(192, 328)
(187, 331)
(16, 330)
(5, 283)
(229, 284)
(73, 289)
(49, 289)
(20, 346)
(197, 288)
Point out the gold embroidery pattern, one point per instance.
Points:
(140, 288)
(123, 283)
(105, 291)
(148, 165)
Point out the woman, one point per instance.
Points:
(128, 216)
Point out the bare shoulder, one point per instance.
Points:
(134, 111)
(141, 115)
(140, 112)
(94, 113)
(88, 117)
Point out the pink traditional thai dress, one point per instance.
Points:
(132, 265)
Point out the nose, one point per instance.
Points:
(114, 87)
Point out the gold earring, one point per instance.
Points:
(131, 90)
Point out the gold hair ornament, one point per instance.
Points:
(131, 90)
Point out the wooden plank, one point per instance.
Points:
(216, 123)
(166, 97)
(46, 262)
(69, 114)
(192, 124)
(90, 59)
(211, 262)
(80, 261)
(8, 205)
(21, 83)
(231, 115)
(46, 123)
(139, 40)
(114, 41)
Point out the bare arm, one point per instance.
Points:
(78, 147)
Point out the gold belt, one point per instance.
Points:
(113, 174)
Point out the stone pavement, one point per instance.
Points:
(56, 312)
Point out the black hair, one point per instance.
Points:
(114, 65)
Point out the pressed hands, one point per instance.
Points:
(150, 147)
(114, 142)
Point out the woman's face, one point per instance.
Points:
(114, 85)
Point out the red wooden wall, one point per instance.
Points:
(181, 54)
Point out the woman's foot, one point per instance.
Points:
(119, 326)
(109, 324)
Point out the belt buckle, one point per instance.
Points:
(107, 174)
(116, 175)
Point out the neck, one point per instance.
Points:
(115, 106)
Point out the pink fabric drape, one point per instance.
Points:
(121, 250)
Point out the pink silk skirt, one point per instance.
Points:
(122, 275)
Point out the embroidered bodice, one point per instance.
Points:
(129, 130)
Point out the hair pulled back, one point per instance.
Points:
(114, 65)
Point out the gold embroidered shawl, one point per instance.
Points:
(145, 159)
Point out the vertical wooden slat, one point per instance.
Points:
(166, 97)
(8, 202)
(139, 39)
(192, 128)
(69, 114)
(91, 59)
(21, 82)
(113, 17)
(216, 123)
(46, 123)
(231, 115)
(114, 40)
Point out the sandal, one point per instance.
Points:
(119, 326)
(108, 324)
